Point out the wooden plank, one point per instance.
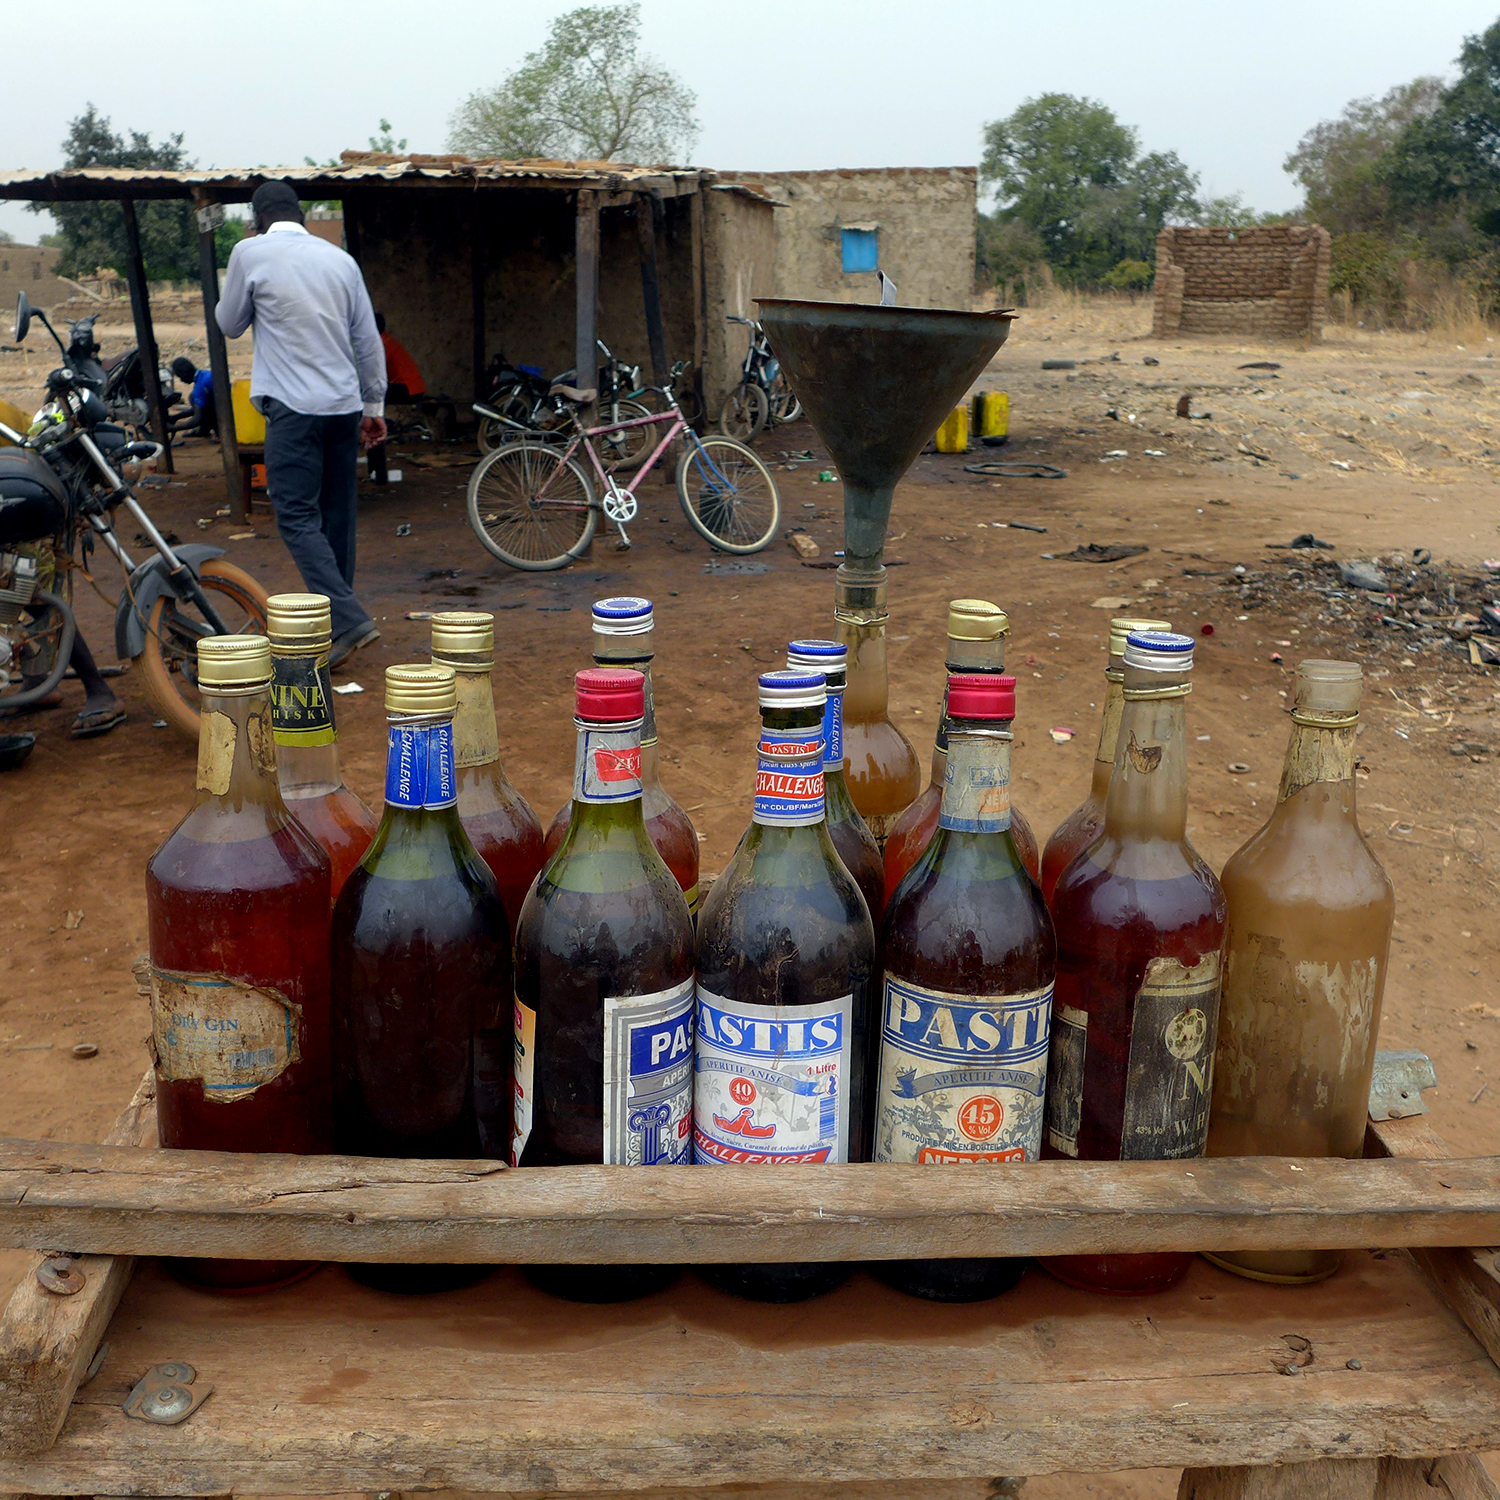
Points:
(1323, 1479)
(1468, 1278)
(1458, 1476)
(46, 1341)
(145, 333)
(328, 1387)
(118, 1200)
(218, 359)
(586, 332)
(656, 335)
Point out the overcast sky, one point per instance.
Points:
(781, 84)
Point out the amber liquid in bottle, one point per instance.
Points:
(850, 833)
(1140, 928)
(880, 765)
(969, 956)
(307, 752)
(503, 829)
(667, 825)
(976, 643)
(1309, 931)
(237, 910)
(786, 980)
(1082, 826)
(604, 986)
(421, 973)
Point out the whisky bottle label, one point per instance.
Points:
(1169, 1079)
(789, 778)
(1066, 1055)
(419, 769)
(607, 767)
(476, 735)
(648, 1078)
(772, 1082)
(230, 1036)
(302, 700)
(961, 1077)
(523, 1081)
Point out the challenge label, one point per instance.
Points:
(302, 700)
(230, 1036)
(961, 1078)
(789, 778)
(1169, 1079)
(607, 767)
(648, 1078)
(772, 1082)
(419, 766)
(833, 730)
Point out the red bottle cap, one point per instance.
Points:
(606, 696)
(981, 696)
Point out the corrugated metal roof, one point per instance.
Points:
(356, 168)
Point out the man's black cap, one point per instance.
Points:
(276, 196)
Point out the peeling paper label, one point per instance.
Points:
(216, 738)
(1317, 755)
(476, 735)
(230, 1036)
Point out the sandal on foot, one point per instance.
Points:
(88, 725)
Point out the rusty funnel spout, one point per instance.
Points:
(876, 382)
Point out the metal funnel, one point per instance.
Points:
(876, 382)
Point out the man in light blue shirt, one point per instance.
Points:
(319, 380)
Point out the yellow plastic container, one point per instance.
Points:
(249, 425)
(953, 435)
(991, 416)
(13, 417)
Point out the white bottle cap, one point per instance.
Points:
(1159, 651)
(626, 615)
(793, 690)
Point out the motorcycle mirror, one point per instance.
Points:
(23, 317)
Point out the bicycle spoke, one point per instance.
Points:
(531, 504)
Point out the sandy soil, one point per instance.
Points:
(1414, 471)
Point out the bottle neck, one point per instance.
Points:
(976, 780)
(789, 771)
(607, 776)
(1320, 749)
(867, 696)
(237, 753)
(1114, 708)
(420, 775)
(963, 656)
(633, 652)
(476, 737)
(1148, 785)
(307, 754)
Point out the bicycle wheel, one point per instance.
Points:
(785, 407)
(728, 494)
(745, 412)
(531, 508)
(169, 662)
(627, 449)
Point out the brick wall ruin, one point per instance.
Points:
(1270, 282)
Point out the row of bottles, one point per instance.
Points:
(827, 1008)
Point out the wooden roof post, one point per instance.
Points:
(586, 341)
(656, 336)
(145, 334)
(209, 216)
(700, 316)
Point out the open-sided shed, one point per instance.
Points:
(469, 256)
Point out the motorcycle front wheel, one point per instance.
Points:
(174, 627)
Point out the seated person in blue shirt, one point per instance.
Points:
(201, 397)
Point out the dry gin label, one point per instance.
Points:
(230, 1036)
(772, 1083)
(961, 1078)
(648, 1078)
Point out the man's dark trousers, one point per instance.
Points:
(314, 489)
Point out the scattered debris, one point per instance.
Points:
(803, 545)
(419, 614)
(1060, 735)
(1301, 542)
(343, 689)
(1111, 601)
(85, 1049)
(1237, 768)
(1020, 526)
(1362, 575)
(404, 529)
(1151, 359)
(1156, 452)
(1094, 552)
(1260, 364)
(738, 566)
(1114, 453)
(827, 476)
(234, 536)
(1339, 463)
(1252, 452)
(433, 574)
(1059, 364)
(73, 920)
(1017, 471)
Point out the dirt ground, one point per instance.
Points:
(1381, 444)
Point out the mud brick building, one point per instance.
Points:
(1270, 282)
(835, 229)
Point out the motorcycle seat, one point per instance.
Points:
(572, 393)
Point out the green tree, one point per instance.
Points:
(1340, 163)
(1071, 172)
(587, 93)
(92, 235)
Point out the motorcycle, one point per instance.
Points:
(61, 484)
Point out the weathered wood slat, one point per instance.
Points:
(328, 1388)
(46, 1341)
(125, 1201)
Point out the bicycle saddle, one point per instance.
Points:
(572, 393)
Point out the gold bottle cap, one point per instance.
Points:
(414, 689)
(233, 663)
(463, 630)
(976, 620)
(1122, 625)
(299, 621)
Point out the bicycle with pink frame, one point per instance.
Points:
(535, 505)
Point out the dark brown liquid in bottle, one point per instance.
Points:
(508, 838)
(253, 911)
(340, 824)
